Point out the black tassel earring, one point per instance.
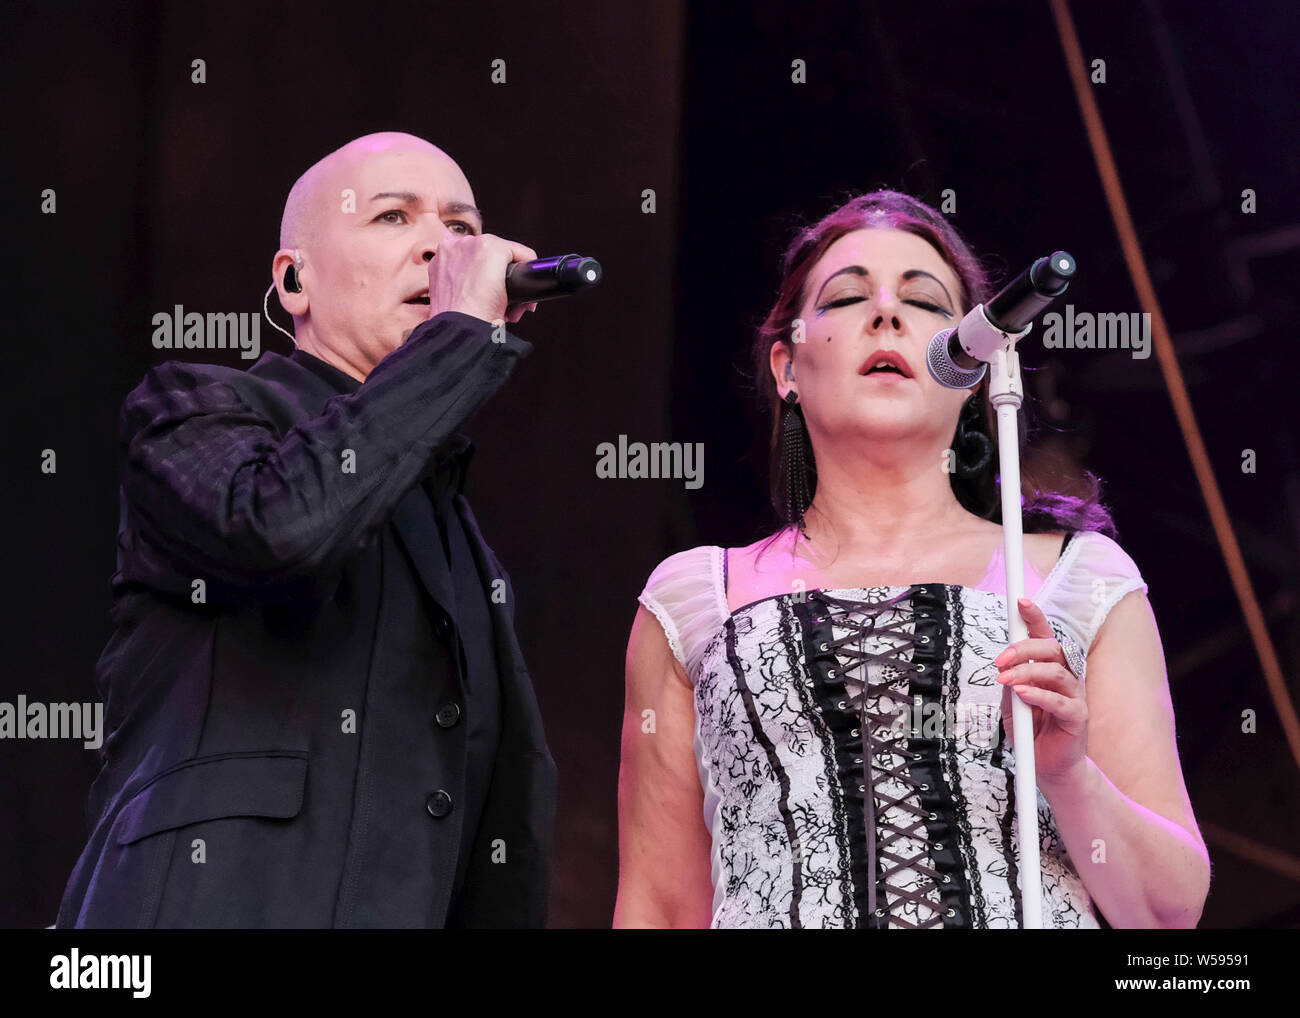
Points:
(972, 449)
(793, 440)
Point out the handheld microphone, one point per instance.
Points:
(548, 278)
(957, 358)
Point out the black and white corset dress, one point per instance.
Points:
(805, 701)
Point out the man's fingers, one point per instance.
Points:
(517, 311)
(521, 252)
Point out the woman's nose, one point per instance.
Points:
(886, 311)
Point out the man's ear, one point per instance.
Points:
(781, 361)
(294, 303)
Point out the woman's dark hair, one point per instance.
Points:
(884, 209)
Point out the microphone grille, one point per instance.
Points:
(943, 370)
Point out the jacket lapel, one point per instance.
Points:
(520, 718)
(418, 529)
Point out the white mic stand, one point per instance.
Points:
(1006, 394)
(952, 361)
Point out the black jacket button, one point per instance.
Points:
(438, 804)
(448, 714)
(444, 627)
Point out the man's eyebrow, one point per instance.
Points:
(465, 208)
(858, 270)
(411, 198)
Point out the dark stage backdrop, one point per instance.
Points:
(170, 192)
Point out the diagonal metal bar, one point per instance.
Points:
(1174, 378)
(1251, 850)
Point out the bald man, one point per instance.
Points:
(318, 714)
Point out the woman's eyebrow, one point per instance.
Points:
(914, 273)
(856, 270)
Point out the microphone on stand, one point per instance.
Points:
(957, 358)
(548, 278)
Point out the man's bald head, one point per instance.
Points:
(319, 191)
(368, 219)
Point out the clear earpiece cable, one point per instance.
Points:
(267, 312)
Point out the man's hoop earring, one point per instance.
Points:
(794, 462)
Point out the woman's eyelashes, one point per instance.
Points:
(924, 305)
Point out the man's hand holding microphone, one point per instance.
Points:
(468, 274)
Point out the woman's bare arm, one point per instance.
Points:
(1128, 824)
(664, 848)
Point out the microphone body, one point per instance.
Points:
(957, 358)
(549, 278)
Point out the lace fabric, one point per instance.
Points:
(830, 798)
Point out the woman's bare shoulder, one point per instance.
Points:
(759, 569)
(1041, 549)
(1044, 550)
(761, 556)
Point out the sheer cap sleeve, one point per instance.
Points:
(1092, 576)
(686, 594)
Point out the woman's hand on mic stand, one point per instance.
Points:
(1036, 667)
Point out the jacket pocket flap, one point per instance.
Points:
(215, 787)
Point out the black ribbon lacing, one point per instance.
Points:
(861, 619)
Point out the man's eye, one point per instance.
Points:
(467, 229)
(383, 216)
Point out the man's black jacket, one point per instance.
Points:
(278, 750)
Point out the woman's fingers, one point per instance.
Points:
(1030, 650)
(1035, 621)
(1047, 674)
(1070, 712)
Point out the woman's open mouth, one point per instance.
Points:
(885, 371)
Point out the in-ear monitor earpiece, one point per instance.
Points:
(291, 283)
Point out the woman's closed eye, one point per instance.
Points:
(924, 305)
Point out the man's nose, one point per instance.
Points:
(886, 311)
(431, 239)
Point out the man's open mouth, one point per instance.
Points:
(420, 298)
